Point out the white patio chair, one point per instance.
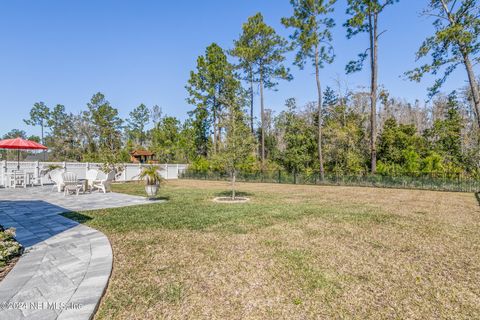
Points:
(16, 178)
(29, 179)
(104, 184)
(70, 183)
(56, 177)
(91, 176)
(6, 180)
(9, 179)
(41, 175)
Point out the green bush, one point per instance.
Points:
(200, 164)
(9, 247)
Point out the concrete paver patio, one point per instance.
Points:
(66, 267)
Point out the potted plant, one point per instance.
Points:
(152, 178)
(46, 171)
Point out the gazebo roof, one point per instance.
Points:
(141, 153)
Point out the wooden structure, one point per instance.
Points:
(142, 156)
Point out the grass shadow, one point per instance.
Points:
(78, 217)
(159, 198)
(237, 193)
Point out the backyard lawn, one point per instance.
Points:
(293, 252)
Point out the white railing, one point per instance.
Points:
(130, 170)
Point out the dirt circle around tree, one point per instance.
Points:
(230, 200)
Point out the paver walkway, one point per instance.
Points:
(66, 267)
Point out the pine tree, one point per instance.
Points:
(39, 116)
(365, 15)
(207, 87)
(312, 37)
(261, 52)
(455, 42)
(139, 118)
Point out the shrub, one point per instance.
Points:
(200, 164)
(9, 247)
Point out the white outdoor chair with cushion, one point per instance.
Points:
(70, 183)
(104, 184)
(56, 177)
(92, 176)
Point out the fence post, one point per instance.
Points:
(36, 175)
(294, 176)
(124, 172)
(279, 176)
(64, 166)
(4, 170)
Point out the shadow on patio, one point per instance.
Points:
(34, 220)
(36, 212)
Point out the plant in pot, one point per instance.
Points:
(46, 171)
(152, 178)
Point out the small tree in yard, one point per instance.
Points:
(239, 142)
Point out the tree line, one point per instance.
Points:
(99, 134)
(343, 131)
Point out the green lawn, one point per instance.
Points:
(293, 252)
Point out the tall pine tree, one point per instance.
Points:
(312, 37)
(262, 51)
(364, 18)
(207, 87)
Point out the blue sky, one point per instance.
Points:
(142, 52)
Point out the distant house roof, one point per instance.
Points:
(141, 153)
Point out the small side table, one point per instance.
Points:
(72, 187)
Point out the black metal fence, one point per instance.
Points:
(415, 180)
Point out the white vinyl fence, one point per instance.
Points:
(130, 170)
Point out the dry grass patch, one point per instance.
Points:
(293, 252)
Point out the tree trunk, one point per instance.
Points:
(219, 123)
(373, 89)
(251, 101)
(262, 115)
(468, 65)
(473, 85)
(320, 120)
(214, 125)
(234, 176)
(218, 139)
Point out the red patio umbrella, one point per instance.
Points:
(20, 144)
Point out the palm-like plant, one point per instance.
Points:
(151, 175)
